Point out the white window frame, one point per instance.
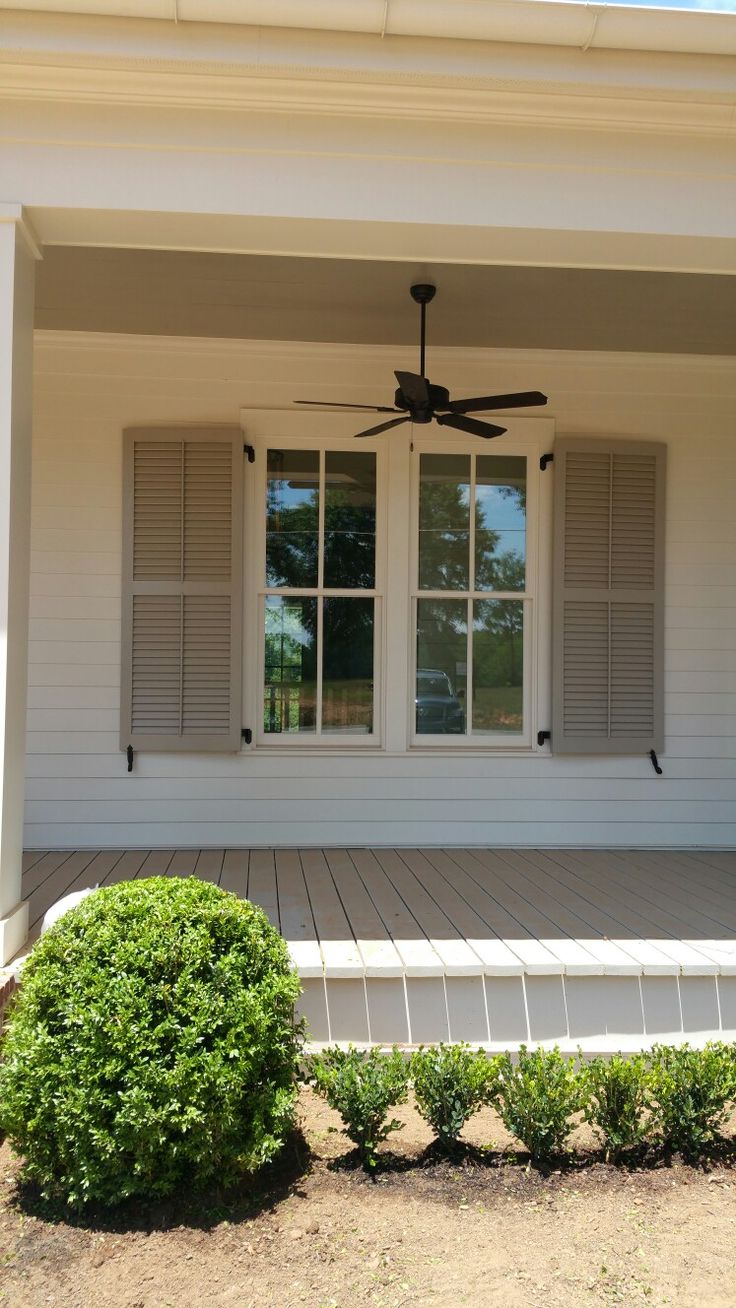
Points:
(397, 544)
(322, 441)
(529, 597)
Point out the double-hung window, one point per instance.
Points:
(319, 598)
(472, 597)
(392, 597)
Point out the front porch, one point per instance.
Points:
(600, 949)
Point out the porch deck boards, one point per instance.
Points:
(596, 947)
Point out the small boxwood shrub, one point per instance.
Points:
(536, 1098)
(451, 1082)
(152, 1044)
(617, 1101)
(690, 1091)
(362, 1087)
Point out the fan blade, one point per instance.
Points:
(521, 400)
(382, 426)
(472, 425)
(335, 404)
(414, 388)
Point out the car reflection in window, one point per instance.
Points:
(439, 710)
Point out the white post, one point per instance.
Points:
(18, 252)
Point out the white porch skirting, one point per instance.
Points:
(595, 949)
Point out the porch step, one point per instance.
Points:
(598, 1014)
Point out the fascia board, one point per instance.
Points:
(543, 22)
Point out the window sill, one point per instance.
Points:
(416, 751)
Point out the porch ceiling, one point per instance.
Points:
(176, 293)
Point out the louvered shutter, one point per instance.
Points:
(182, 589)
(608, 600)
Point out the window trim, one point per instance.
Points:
(256, 600)
(529, 597)
(395, 656)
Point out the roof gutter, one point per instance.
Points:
(533, 22)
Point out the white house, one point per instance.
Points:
(239, 643)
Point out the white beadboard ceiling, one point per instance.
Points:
(174, 293)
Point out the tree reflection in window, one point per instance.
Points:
(319, 650)
(292, 518)
(472, 544)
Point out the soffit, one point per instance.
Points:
(171, 293)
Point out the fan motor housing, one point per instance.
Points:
(439, 398)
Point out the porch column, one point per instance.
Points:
(18, 253)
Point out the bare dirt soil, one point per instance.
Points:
(477, 1231)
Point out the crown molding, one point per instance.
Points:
(327, 92)
(329, 353)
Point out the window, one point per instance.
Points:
(319, 602)
(472, 599)
(392, 595)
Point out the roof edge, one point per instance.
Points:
(567, 23)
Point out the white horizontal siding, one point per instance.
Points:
(76, 651)
(87, 585)
(68, 562)
(352, 834)
(655, 794)
(79, 793)
(703, 662)
(390, 807)
(539, 768)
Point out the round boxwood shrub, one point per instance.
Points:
(152, 1044)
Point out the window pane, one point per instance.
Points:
(498, 666)
(500, 523)
(347, 665)
(442, 665)
(350, 520)
(291, 665)
(444, 521)
(292, 517)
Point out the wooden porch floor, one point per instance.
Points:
(598, 948)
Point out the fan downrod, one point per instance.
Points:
(422, 293)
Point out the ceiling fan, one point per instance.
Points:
(420, 401)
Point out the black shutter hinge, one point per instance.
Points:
(542, 736)
(655, 762)
(129, 754)
(247, 735)
(249, 450)
(544, 460)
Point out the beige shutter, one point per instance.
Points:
(608, 625)
(182, 589)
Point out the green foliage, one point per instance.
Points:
(362, 1087)
(152, 1044)
(537, 1097)
(451, 1082)
(617, 1100)
(690, 1089)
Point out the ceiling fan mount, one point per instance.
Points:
(418, 400)
(423, 292)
